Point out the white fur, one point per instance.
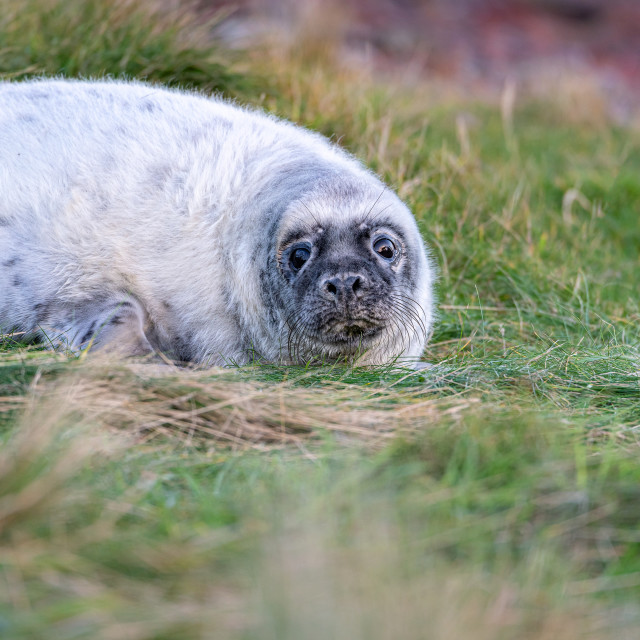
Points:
(132, 188)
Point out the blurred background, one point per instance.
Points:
(482, 42)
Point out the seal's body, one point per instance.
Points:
(140, 218)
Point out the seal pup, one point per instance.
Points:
(137, 218)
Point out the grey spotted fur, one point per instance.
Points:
(138, 218)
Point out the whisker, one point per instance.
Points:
(420, 315)
(401, 326)
(411, 313)
(366, 217)
(377, 216)
(411, 329)
(310, 213)
(398, 335)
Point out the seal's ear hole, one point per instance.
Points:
(298, 257)
(385, 248)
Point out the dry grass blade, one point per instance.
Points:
(148, 401)
(43, 454)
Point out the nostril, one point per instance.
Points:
(355, 285)
(344, 285)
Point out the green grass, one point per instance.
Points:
(495, 495)
(153, 41)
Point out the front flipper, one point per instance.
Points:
(117, 327)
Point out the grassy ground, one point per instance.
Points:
(496, 495)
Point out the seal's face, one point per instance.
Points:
(349, 289)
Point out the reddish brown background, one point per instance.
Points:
(482, 38)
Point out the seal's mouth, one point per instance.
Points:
(335, 338)
(350, 331)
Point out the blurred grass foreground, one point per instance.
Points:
(495, 495)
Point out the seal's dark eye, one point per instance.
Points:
(385, 248)
(298, 257)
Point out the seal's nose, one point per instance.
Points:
(343, 286)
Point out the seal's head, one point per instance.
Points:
(357, 281)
